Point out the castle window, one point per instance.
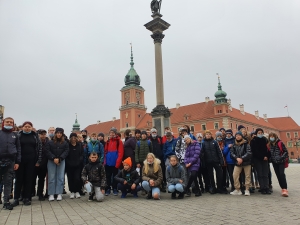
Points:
(231, 125)
(193, 128)
(288, 134)
(126, 102)
(126, 125)
(203, 127)
(139, 115)
(290, 144)
(216, 126)
(295, 134)
(138, 102)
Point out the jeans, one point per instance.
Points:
(148, 188)
(230, 168)
(125, 188)
(279, 171)
(7, 181)
(219, 174)
(56, 175)
(74, 178)
(236, 175)
(262, 168)
(111, 172)
(178, 187)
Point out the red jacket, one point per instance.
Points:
(114, 152)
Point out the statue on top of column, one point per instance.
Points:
(155, 6)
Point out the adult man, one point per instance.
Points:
(51, 132)
(10, 157)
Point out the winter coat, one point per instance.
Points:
(38, 146)
(157, 147)
(142, 148)
(277, 156)
(129, 149)
(75, 156)
(164, 139)
(57, 150)
(259, 148)
(180, 149)
(114, 152)
(169, 148)
(241, 150)
(131, 176)
(157, 177)
(226, 150)
(44, 161)
(212, 152)
(94, 172)
(192, 155)
(10, 147)
(96, 147)
(174, 174)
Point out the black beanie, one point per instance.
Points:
(240, 127)
(144, 132)
(259, 129)
(101, 134)
(73, 135)
(137, 131)
(58, 129)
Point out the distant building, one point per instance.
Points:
(208, 115)
(1, 115)
(76, 126)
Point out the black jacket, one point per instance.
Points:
(259, 148)
(75, 156)
(211, 152)
(38, 146)
(157, 147)
(241, 150)
(44, 153)
(94, 173)
(131, 176)
(129, 149)
(278, 156)
(57, 150)
(10, 147)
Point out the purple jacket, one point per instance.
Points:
(192, 155)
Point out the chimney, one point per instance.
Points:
(114, 118)
(242, 109)
(229, 104)
(177, 105)
(206, 99)
(266, 117)
(257, 114)
(98, 121)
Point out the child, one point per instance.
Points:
(94, 173)
(128, 179)
(241, 153)
(94, 146)
(175, 175)
(142, 148)
(229, 141)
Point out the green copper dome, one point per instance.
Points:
(220, 94)
(132, 78)
(76, 124)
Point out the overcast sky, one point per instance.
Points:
(62, 57)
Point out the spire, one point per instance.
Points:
(220, 94)
(131, 63)
(132, 78)
(219, 83)
(76, 125)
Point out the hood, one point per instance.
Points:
(156, 160)
(240, 143)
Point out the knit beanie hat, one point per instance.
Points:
(143, 132)
(240, 127)
(128, 162)
(58, 129)
(222, 129)
(137, 131)
(113, 129)
(84, 131)
(101, 134)
(186, 136)
(229, 131)
(73, 135)
(199, 135)
(259, 129)
(153, 130)
(218, 134)
(239, 133)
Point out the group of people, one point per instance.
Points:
(143, 162)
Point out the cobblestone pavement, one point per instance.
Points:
(207, 209)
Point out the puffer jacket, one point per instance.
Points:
(95, 174)
(259, 148)
(114, 152)
(157, 147)
(10, 147)
(180, 149)
(192, 155)
(129, 149)
(57, 150)
(241, 150)
(94, 146)
(212, 152)
(169, 148)
(277, 156)
(142, 148)
(151, 175)
(131, 176)
(174, 174)
(226, 151)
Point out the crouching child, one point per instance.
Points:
(94, 173)
(128, 179)
(176, 179)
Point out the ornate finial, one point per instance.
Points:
(219, 82)
(76, 118)
(131, 63)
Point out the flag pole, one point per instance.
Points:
(287, 109)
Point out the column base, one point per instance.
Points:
(160, 118)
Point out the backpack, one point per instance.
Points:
(139, 143)
(286, 162)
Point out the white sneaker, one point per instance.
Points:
(77, 195)
(236, 192)
(72, 195)
(51, 198)
(59, 198)
(247, 193)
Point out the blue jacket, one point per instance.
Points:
(94, 147)
(193, 137)
(169, 148)
(226, 151)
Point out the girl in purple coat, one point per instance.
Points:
(192, 163)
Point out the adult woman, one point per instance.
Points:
(192, 163)
(31, 156)
(74, 163)
(279, 155)
(152, 176)
(57, 150)
(261, 157)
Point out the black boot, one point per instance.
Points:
(8, 206)
(212, 191)
(188, 192)
(198, 193)
(181, 195)
(15, 203)
(173, 196)
(149, 196)
(41, 198)
(26, 202)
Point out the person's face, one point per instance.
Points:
(138, 135)
(43, 136)
(100, 138)
(27, 128)
(183, 133)
(80, 138)
(199, 139)
(154, 134)
(187, 140)
(83, 133)
(126, 166)
(169, 138)
(51, 131)
(244, 131)
(73, 139)
(238, 137)
(144, 136)
(150, 159)
(112, 134)
(260, 132)
(173, 161)
(228, 135)
(8, 122)
(58, 135)
(148, 133)
(208, 135)
(223, 132)
(93, 158)
(93, 137)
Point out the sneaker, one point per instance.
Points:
(72, 195)
(198, 193)
(181, 195)
(284, 193)
(41, 198)
(15, 203)
(149, 196)
(77, 195)
(108, 191)
(27, 202)
(123, 195)
(51, 198)
(8, 206)
(212, 191)
(188, 193)
(173, 196)
(91, 197)
(236, 192)
(115, 192)
(59, 197)
(247, 193)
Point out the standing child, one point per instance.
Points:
(142, 148)
(94, 173)
(229, 141)
(128, 179)
(94, 145)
